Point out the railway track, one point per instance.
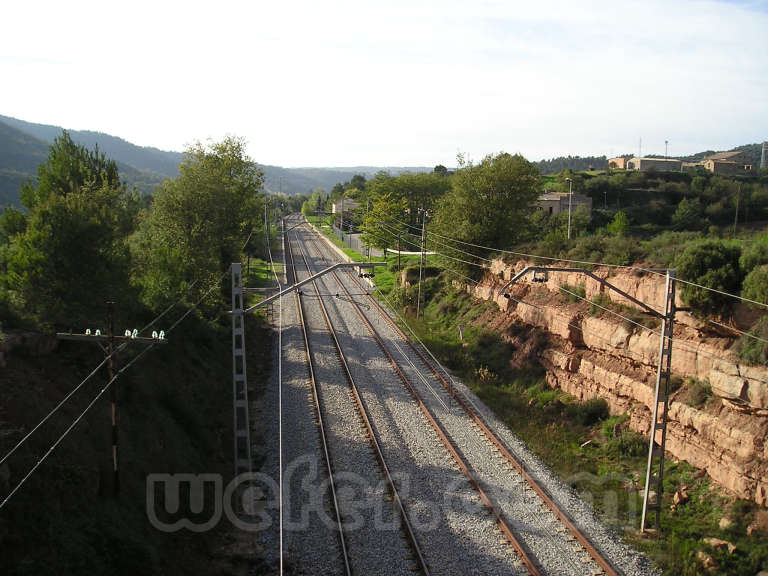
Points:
(320, 419)
(571, 540)
(370, 430)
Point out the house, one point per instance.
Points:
(658, 164)
(347, 203)
(728, 163)
(556, 202)
(618, 163)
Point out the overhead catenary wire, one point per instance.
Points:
(676, 341)
(589, 263)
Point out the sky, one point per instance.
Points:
(394, 83)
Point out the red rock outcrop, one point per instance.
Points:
(605, 356)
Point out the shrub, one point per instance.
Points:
(754, 351)
(756, 284)
(573, 293)
(713, 264)
(588, 413)
(754, 254)
(627, 444)
(619, 226)
(699, 392)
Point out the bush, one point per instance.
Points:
(573, 293)
(619, 226)
(756, 285)
(713, 264)
(627, 444)
(699, 392)
(689, 215)
(754, 351)
(754, 254)
(588, 413)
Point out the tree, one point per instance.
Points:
(69, 255)
(488, 203)
(713, 264)
(69, 168)
(689, 215)
(441, 170)
(357, 181)
(200, 221)
(71, 259)
(12, 223)
(619, 226)
(395, 205)
(756, 285)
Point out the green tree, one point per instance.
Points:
(489, 203)
(12, 223)
(199, 221)
(689, 215)
(69, 168)
(395, 205)
(756, 284)
(72, 258)
(754, 254)
(619, 226)
(713, 264)
(68, 256)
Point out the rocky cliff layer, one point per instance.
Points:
(595, 353)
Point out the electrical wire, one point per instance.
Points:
(99, 395)
(742, 332)
(588, 263)
(83, 382)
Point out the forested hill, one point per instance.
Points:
(143, 158)
(22, 150)
(24, 145)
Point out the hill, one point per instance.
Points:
(24, 145)
(21, 152)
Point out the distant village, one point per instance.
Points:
(725, 163)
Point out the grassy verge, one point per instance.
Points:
(596, 454)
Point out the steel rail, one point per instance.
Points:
(372, 435)
(449, 445)
(598, 558)
(320, 420)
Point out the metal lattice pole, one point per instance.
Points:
(654, 475)
(242, 432)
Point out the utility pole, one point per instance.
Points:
(111, 364)
(570, 196)
(423, 257)
(666, 148)
(110, 339)
(655, 469)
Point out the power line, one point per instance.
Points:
(99, 395)
(586, 262)
(82, 383)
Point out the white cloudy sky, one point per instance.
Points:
(395, 82)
